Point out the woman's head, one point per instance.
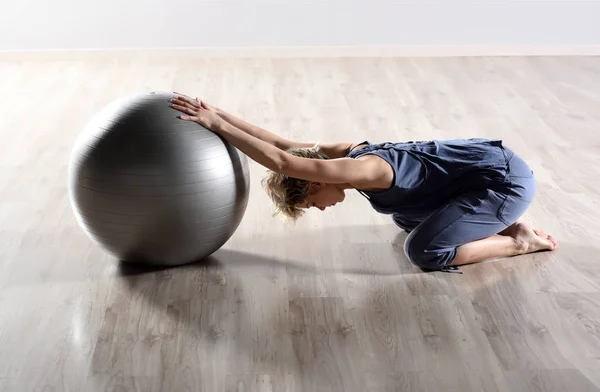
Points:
(292, 196)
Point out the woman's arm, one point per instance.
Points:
(357, 172)
(260, 133)
(367, 173)
(332, 150)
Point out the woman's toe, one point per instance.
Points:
(553, 240)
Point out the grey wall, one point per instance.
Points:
(66, 24)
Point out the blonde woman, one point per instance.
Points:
(460, 200)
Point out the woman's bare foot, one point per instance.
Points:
(518, 239)
(528, 239)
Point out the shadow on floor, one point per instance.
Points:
(351, 245)
(237, 307)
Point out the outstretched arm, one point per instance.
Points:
(261, 133)
(356, 172)
(332, 150)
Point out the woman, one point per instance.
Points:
(460, 200)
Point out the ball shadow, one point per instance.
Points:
(210, 303)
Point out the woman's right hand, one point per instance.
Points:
(198, 112)
(184, 99)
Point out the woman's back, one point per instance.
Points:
(428, 173)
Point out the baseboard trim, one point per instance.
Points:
(325, 51)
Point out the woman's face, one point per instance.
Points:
(324, 195)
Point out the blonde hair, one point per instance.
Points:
(288, 193)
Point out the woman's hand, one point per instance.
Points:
(202, 103)
(198, 111)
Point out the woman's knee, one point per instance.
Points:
(424, 255)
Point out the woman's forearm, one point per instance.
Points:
(257, 149)
(261, 133)
(334, 171)
(332, 150)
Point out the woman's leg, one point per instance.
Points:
(466, 229)
(518, 239)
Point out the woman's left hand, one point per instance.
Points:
(195, 111)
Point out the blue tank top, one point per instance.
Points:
(429, 173)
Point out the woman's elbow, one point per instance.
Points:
(281, 164)
(291, 166)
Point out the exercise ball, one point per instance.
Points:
(152, 188)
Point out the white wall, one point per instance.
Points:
(67, 24)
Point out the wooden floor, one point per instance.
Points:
(330, 304)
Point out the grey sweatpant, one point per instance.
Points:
(471, 216)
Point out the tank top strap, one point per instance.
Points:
(353, 152)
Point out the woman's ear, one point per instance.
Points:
(315, 186)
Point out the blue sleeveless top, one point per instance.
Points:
(429, 173)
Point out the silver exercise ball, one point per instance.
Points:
(152, 188)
